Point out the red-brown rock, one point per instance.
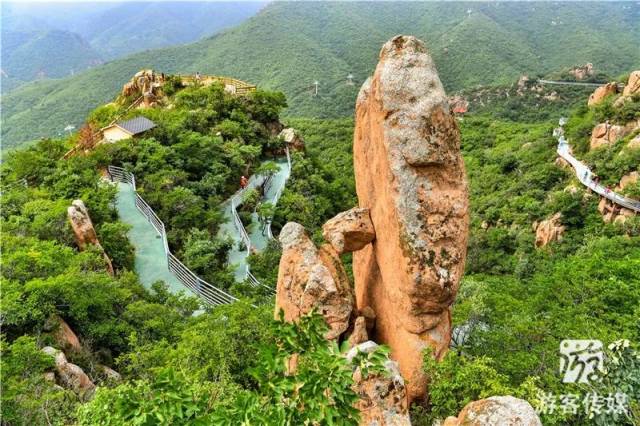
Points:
(410, 175)
(601, 93)
(84, 231)
(349, 231)
(633, 84)
(606, 134)
(62, 333)
(309, 278)
(549, 230)
(70, 375)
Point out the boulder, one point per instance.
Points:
(549, 230)
(633, 84)
(601, 93)
(70, 375)
(109, 373)
(349, 231)
(292, 138)
(606, 134)
(359, 333)
(410, 175)
(311, 278)
(494, 411)
(62, 333)
(634, 143)
(580, 73)
(85, 233)
(626, 180)
(383, 397)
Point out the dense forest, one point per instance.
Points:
(226, 364)
(289, 46)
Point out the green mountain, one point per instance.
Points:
(288, 46)
(28, 56)
(53, 40)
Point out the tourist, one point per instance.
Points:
(243, 182)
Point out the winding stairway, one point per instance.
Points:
(154, 261)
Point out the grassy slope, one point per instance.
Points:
(289, 45)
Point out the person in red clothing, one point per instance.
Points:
(243, 182)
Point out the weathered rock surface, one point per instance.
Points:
(601, 93)
(612, 212)
(549, 230)
(627, 180)
(496, 411)
(607, 134)
(311, 278)
(145, 83)
(633, 84)
(410, 175)
(580, 73)
(292, 138)
(85, 233)
(70, 375)
(62, 333)
(383, 397)
(359, 333)
(349, 231)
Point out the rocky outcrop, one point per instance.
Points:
(548, 230)
(85, 233)
(311, 278)
(69, 375)
(292, 139)
(626, 180)
(633, 84)
(601, 93)
(62, 333)
(146, 84)
(580, 73)
(410, 175)
(606, 134)
(349, 231)
(382, 397)
(612, 212)
(494, 411)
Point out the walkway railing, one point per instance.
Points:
(240, 87)
(240, 227)
(279, 193)
(208, 292)
(585, 176)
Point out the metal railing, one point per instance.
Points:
(236, 200)
(240, 87)
(208, 292)
(585, 175)
(279, 192)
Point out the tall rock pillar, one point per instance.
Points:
(410, 175)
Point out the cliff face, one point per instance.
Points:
(410, 175)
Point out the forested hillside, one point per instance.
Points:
(518, 301)
(289, 46)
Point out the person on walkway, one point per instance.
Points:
(197, 76)
(243, 182)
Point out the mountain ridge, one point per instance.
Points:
(288, 46)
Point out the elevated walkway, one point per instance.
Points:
(586, 177)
